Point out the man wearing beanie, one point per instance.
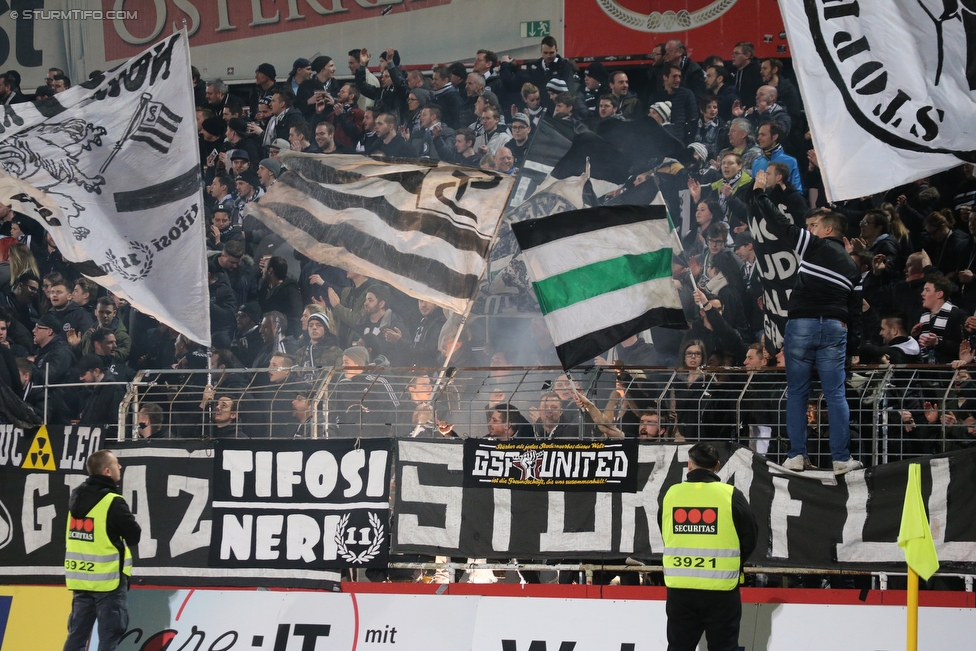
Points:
(264, 86)
(594, 85)
(322, 85)
(269, 170)
(211, 144)
(248, 190)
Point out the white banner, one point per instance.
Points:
(290, 621)
(112, 172)
(888, 88)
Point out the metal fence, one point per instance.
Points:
(896, 412)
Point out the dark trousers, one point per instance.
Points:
(712, 612)
(109, 608)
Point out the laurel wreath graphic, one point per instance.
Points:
(371, 552)
(669, 21)
(143, 271)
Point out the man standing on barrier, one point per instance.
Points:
(823, 327)
(709, 530)
(97, 561)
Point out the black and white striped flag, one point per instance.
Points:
(158, 127)
(423, 227)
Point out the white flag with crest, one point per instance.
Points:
(111, 169)
(889, 88)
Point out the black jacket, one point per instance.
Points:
(285, 298)
(100, 402)
(120, 524)
(57, 355)
(450, 102)
(828, 282)
(747, 82)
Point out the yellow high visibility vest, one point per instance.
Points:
(701, 546)
(91, 560)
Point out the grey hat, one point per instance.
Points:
(358, 355)
(523, 118)
(699, 149)
(272, 166)
(280, 143)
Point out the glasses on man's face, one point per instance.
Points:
(718, 241)
(692, 353)
(867, 222)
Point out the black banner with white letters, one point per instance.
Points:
(165, 483)
(811, 519)
(551, 465)
(301, 504)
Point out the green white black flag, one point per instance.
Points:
(601, 275)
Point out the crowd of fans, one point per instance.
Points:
(913, 245)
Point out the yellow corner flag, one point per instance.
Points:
(914, 536)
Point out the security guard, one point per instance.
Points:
(708, 529)
(97, 561)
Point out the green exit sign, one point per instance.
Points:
(534, 28)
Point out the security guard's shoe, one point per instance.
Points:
(841, 467)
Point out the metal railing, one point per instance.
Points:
(896, 411)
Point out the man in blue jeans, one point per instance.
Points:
(823, 326)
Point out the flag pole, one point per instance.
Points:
(912, 610)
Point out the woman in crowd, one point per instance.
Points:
(688, 391)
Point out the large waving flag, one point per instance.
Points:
(422, 226)
(601, 275)
(111, 169)
(888, 88)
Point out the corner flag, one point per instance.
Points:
(915, 536)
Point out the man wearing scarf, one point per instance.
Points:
(768, 138)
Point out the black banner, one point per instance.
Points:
(301, 504)
(806, 520)
(551, 465)
(778, 265)
(165, 483)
